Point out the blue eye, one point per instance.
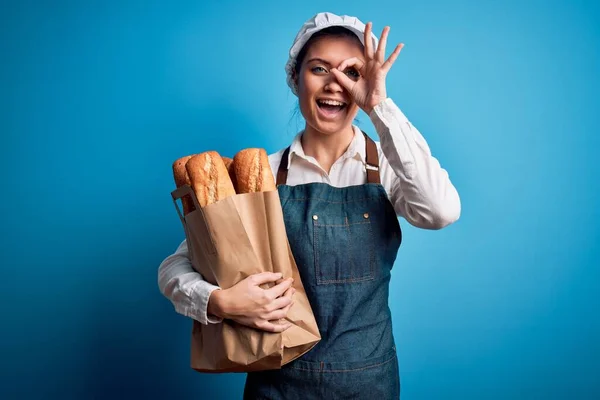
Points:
(319, 69)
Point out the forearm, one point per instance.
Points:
(218, 305)
(425, 196)
(185, 288)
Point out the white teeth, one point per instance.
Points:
(332, 102)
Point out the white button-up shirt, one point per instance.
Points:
(417, 186)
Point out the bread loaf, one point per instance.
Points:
(252, 171)
(229, 164)
(182, 178)
(209, 178)
(228, 161)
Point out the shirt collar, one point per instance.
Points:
(356, 149)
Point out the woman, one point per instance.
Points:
(341, 194)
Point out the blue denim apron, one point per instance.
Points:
(345, 242)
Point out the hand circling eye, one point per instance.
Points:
(352, 73)
(366, 84)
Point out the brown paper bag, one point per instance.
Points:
(227, 241)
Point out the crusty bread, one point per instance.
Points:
(182, 178)
(229, 164)
(209, 178)
(228, 161)
(252, 171)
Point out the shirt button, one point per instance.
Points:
(315, 217)
(366, 215)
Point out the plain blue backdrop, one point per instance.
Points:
(98, 98)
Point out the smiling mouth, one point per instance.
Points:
(330, 108)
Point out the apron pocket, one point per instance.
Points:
(343, 249)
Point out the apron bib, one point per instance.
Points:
(345, 242)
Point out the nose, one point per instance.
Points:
(333, 85)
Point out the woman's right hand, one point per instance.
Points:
(249, 304)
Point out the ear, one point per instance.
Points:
(295, 80)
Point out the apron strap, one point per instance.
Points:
(372, 161)
(371, 164)
(283, 168)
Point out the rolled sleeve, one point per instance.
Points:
(420, 188)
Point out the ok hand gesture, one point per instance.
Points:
(368, 89)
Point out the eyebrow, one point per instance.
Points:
(319, 60)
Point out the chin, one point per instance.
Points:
(330, 126)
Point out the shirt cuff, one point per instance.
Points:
(387, 110)
(200, 306)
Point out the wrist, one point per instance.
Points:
(217, 303)
(368, 109)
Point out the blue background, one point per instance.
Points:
(98, 98)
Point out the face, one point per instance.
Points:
(326, 106)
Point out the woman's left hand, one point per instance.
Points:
(368, 89)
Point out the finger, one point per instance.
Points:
(368, 41)
(274, 327)
(282, 301)
(380, 55)
(343, 79)
(278, 314)
(351, 62)
(279, 289)
(289, 293)
(266, 277)
(287, 309)
(390, 61)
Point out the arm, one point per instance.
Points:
(245, 302)
(186, 288)
(421, 190)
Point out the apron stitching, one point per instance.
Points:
(321, 281)
(372, 252)
(321, 366)
(353, 268)
(337, 202)
(316, 241)
(365, 278)
(344, 225)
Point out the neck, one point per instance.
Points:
(326, 149)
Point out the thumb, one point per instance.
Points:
(343, 79)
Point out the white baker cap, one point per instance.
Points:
(318, 22)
